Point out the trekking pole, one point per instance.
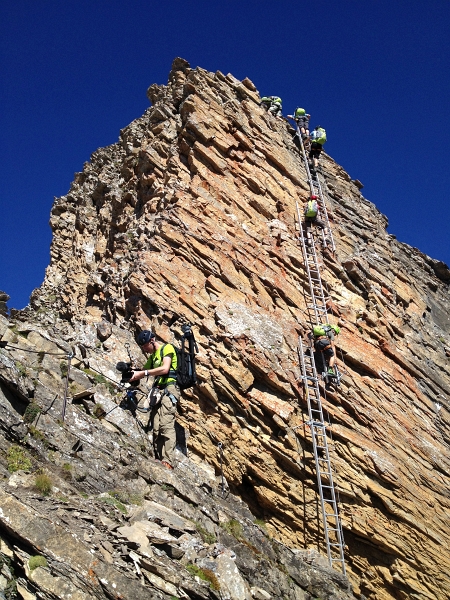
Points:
(69, 359)
(219, 445)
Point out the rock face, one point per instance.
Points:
(191, 216)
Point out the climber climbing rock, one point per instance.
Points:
(272, 104)
(164, 395)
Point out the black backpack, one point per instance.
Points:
(185, 373)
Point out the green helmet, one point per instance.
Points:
(300, 112)
(318, 330)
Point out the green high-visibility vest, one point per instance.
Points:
(311, 209)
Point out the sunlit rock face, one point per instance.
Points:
(191, 216)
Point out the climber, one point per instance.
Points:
(318, 139)
(302, 120)
(324, 344)
(272, 104)
(164, 394)
(311, 218)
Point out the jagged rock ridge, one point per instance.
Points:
(191, 215)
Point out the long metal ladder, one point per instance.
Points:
(317, 314)
(334, 537)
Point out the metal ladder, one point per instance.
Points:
(317, 314)
(317, 190)
(334, 537)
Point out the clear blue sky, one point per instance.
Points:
(374, 73)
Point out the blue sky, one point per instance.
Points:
(374, 73)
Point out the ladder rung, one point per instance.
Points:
(337, 544)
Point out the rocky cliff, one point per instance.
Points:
(191, 216)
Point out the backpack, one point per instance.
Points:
(320, 136)
(185, 374)
(311, 210)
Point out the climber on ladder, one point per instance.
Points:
(301, 119)
(311, 218)
(318, 139)
(325, 356)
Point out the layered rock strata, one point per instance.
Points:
(191, 216)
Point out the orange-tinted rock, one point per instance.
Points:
(192, 215)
